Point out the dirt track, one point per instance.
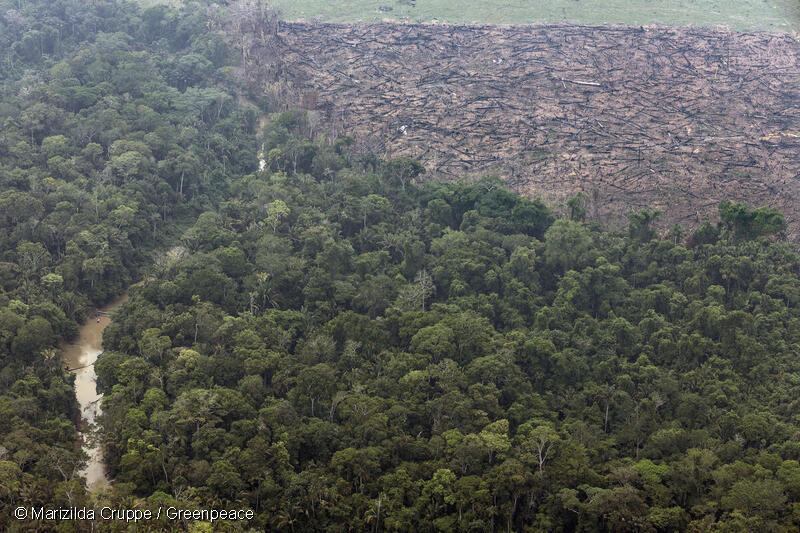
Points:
(670, 118)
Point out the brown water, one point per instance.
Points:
(80, 357)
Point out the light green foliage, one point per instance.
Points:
(276, 211)
(495, 438)
(773, 15)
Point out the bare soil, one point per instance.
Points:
(675, 119)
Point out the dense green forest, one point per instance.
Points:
(114, 134)
(339, 345)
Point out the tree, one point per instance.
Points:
(532, 218)
(745, 223)
(539, 442)
(53, 281)
(10, 481)
(374, 208)
(439, 491)
(495, 439)
(577, 207)
(639, 227)
(621, 508)
(316, 385)
(413, 296)
(55, 145)
(755, 497)
(33, 337)
(207, 232)
(437, 341)
(567, 245)
(32, 258)
(153, 345)
(129, 166)
(401, 170)
(356, 465)
(276, 212)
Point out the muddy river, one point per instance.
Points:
(80, 357)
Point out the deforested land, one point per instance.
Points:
(672, 118)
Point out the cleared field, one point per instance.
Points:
(764, 15)
(171, 3)
(670, 118)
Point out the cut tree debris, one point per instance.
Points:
(667, 118)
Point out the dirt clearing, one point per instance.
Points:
(675, 119)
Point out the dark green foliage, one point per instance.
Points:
(705, 234)
(446, 351)
(747, 223)
(577, 207)
(640, 224)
